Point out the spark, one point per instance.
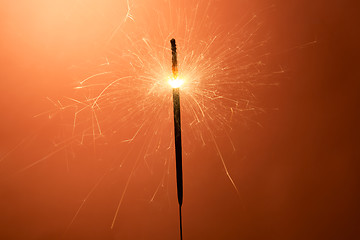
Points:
(92, 76)
(84, 201)
(176, 83)
(128, 15)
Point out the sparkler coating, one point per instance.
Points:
(177, 132)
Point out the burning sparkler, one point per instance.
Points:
(120, 102)
(177, 128)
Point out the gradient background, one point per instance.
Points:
(297, 175)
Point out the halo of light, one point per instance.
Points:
(176, 83)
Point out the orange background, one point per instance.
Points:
(296, 175)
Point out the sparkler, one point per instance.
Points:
(124, 99)
(176, 83)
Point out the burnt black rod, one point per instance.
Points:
(177, 133)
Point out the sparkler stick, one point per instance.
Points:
(177, 128)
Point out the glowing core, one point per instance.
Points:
(175, 83)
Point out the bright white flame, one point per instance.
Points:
(175, 83)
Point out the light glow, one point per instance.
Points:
(175, 83)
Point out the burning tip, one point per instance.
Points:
(175, 82)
